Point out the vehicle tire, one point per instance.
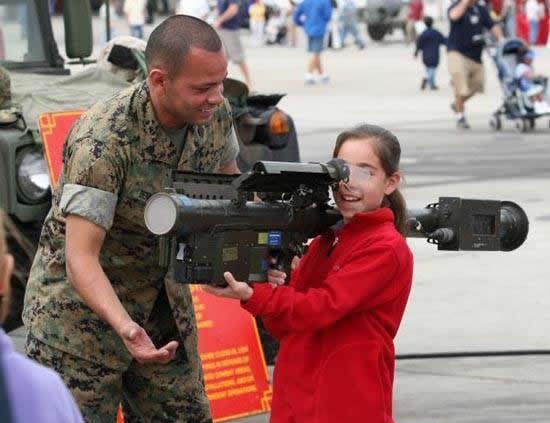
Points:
(376, 31)
(96, 4)
(495, 123)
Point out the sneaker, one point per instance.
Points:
(462, 123)
(434, 87)
(309, 79)
(323, 79)
(423, 84)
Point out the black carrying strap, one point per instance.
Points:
(5, 410)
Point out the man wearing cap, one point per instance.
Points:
(469, 19)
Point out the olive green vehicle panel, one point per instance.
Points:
(78, 44)
(43, 93)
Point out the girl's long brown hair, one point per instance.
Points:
(388, 150)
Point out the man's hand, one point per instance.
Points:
(459, 9)
(142, 348)
(234, 289)
(217, 24)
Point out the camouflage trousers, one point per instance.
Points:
(147, 392)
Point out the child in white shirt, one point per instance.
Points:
(528, 83)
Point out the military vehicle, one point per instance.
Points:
(384, 16)
(41, 81)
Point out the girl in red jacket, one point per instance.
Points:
(337, 318)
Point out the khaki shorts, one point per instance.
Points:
(467, 76)
(232, 43)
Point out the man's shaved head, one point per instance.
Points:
(170, 42)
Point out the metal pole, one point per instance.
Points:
(108, 19)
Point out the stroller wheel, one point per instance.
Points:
(495, 123)
(522, 125)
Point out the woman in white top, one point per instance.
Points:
(197, 8)
(134, 10)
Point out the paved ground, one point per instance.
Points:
(460, 301)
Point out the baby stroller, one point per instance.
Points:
(516, 105)
(275, 29)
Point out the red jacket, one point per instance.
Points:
(336, 323)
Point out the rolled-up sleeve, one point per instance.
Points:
(94, 172)
(93, 204)
(231, 150)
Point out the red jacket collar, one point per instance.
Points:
(373, 218)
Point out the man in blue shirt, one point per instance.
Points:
(314, 15)
(228, 24)
(469, 19)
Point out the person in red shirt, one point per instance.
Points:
(337, 318)
(414, 16)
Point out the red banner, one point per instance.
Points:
(232, 359)
(54, 128)
(233, 363)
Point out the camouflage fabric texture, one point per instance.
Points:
(99, 390)
(5, 88)
(76, 199)
(119, 147)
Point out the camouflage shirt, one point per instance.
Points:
(117, 147)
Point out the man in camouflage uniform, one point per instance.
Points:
(98, 307)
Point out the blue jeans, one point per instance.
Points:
(351, 28)
(136, 31)
(533, 31)
(430, 76)
(510, 25)
(315, 44)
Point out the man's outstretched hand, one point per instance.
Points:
(142, 348)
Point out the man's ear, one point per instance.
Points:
(157, 81)
(392, 183)
(6, 269)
